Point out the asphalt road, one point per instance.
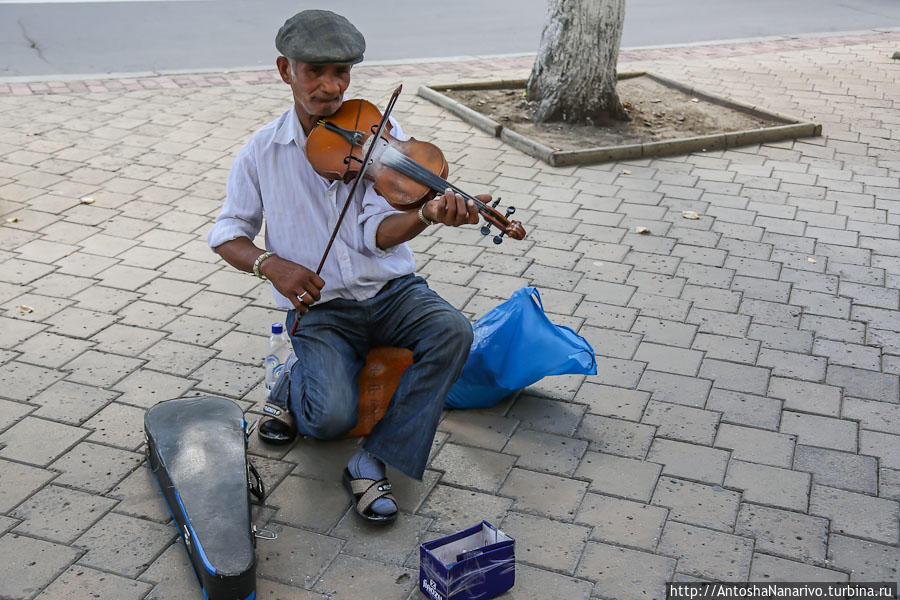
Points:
(46, 38)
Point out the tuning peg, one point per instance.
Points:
(495, 202)
(510, 210)
(486, 229)
(498, 239)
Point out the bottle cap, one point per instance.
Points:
(277, 328)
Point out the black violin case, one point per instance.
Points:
(197, 450)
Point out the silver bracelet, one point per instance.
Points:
(259, 260)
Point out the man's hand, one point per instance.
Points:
(451, 209)
(295, 282)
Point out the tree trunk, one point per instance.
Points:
(574, 75)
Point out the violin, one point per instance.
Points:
(406, 173)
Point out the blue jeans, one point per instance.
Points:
(332, 342)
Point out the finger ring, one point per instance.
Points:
(300, 297)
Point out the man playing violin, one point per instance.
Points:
(367, 294)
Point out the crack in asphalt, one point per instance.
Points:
(32, 43)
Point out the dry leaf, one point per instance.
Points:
(625, 172)
(643, 230)
(689, 214)
(25, 308)
(812, 260)
(695, 100)
(13, 220)
(87, 200)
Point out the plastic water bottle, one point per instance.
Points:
(279, 350)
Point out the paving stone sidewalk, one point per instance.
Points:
(744, 423)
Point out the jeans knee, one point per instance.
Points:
(331, 425)
(458, 334)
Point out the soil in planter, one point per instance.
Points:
(657, 111)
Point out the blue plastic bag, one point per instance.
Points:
(515, 346)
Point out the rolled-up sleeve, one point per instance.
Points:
(375, 209)
(242, 213)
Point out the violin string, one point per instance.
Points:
(401, 163)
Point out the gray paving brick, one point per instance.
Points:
(861, 383)
(548, 415)
(856, 514)
(309, 504)
(718, 322)
(624, 573)
(538, 584)
(545, 543)
(477, 468)
(774, 569)
(689, 502)
(124, 545)
(391, 545)
(889, 484)
(883, 445)
(613, 401)
(41, 518)
(656, 284)
(661, 331)
(350, 577)
(95, 468)
(773, 486)
(296, 555)
(681, 422)
(38, 441)
(783, 533)
(615, 436)
(30, 564)
(727, 348)
(678, 389)
(608, 342)
(756, 445)
(761, 289)
(792, 364)
(622, 522)
(546, 495)
(690, 461)
(838, 469)
(850, 355)
(825, 432)
(878, 416)
(871, 295)
(709, 554)
(28, 480)
(745, 409)
(735, 377)
(618, 476)
(669, 359)
(771, 313)
(661, 307)
(455, 509)
(478, 429)
(866, 561)
(546, 452)
(888, 341)
(803, 279)
(805, 396)
(83, 582)
(20, 381)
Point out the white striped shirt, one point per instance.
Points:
(271, 175)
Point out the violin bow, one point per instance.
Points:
(356, 180)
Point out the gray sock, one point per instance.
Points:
(365, 465)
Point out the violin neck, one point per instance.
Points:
(401, 163)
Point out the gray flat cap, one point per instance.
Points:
(320, 37)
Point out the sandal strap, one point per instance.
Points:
(378, 489)
(278, 413)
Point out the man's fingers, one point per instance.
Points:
(471, 213)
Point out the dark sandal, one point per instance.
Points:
(277, 426)
(366, 491)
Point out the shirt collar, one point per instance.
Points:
(289, 130)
